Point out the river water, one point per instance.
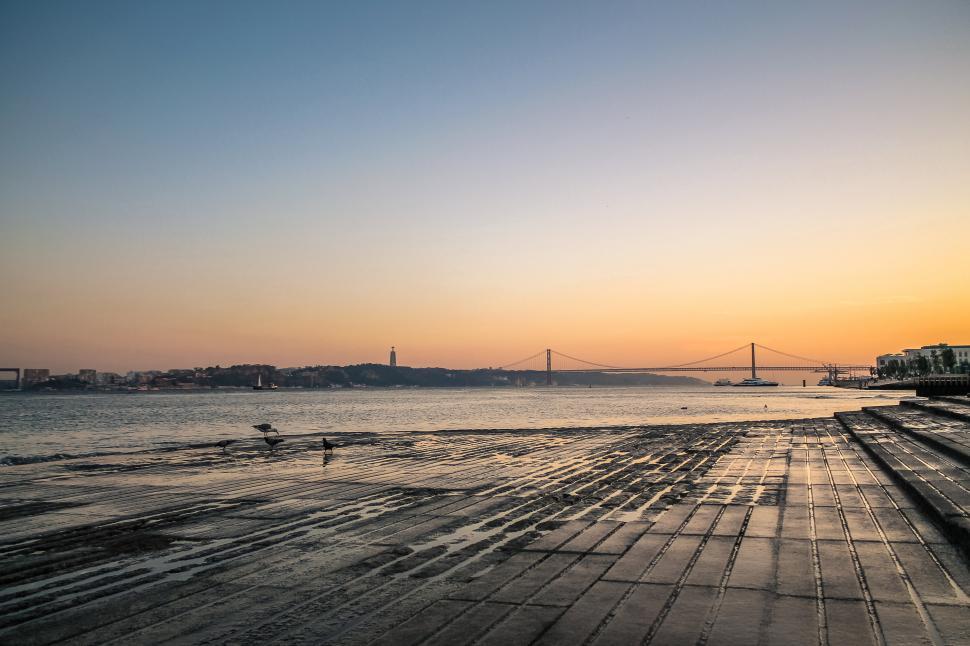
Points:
(35, 426)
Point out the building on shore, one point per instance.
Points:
(34, 376)
(393, 362)
(109, 379)
(142, 377)
(11, 379)
(961, 352)
(882, 361)
(87, 375)
(934, 357)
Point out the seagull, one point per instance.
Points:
(327, 446)
(265, 428)
(272, 441)
(223, 444)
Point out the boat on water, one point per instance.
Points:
(723, 382)
(755, 381)
(259, 384)
(825, 381)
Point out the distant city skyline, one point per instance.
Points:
(240, 182)
(961, 356)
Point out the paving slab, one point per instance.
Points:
(741, 617)
(636, 614)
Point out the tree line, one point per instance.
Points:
(941, 362)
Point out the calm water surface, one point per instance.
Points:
(43, 425)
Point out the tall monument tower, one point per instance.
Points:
(393, 357)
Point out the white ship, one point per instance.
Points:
(755, 381)
(723, 382)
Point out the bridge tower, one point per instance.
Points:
(548, 367)
(753, 374)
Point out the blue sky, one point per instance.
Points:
(447, 155)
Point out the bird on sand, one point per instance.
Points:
(272, 441)
(223, 444)
(327, 446)
(265, 428)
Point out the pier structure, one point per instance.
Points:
(851, 529)
(15, 381)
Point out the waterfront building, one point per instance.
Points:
(393, 357)
(883, 359)
(108, 379)
(932, 353)
(10, 379)
(33, 376)
(928, 351)
(140, 377)
(87, 375)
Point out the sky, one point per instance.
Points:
(295, 183)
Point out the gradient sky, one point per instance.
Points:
(193, 183)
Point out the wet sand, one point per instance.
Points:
(779, 532)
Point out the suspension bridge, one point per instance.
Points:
(555, 362)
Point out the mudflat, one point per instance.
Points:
(774, 532)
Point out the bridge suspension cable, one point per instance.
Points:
(717, 356)
(588, 363)
(791, 356)
(679, 365)
(689, 366)
(515, 363)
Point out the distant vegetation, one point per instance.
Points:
(366, 374)
(371, 374)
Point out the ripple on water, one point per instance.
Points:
(39, 426)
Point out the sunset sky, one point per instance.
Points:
(201, 183)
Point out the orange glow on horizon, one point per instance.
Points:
(657, 185)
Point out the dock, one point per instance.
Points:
(846, 530)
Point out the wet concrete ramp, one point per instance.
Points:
(766, 532)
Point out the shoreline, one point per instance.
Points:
(292, 389)
(42, 426)
(343, 436)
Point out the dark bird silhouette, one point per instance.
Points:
(265, 428)
(223, 444)
(272, 441)
(327, 446)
